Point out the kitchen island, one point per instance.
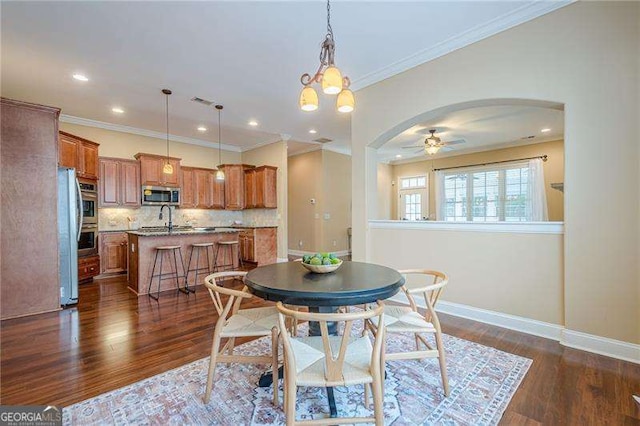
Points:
(141, 252)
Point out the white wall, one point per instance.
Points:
(585, 56)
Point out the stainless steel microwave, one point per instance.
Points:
(159, 195)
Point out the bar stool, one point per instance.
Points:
(160, 251)
(197, 247)
(227, 246)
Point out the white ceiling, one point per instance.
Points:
(246, 55)
(481, 128)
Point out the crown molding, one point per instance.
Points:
(508, 20)
(143, 132)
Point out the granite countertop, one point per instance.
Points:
(253, 226)
(194, 231)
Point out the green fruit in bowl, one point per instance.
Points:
(326, 261)
(334, 261)
(315, 261)
(332, 256)
(306, 258)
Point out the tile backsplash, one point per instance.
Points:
(123, 218)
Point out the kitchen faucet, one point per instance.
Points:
(160, 216)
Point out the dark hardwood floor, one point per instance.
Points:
(112, 339)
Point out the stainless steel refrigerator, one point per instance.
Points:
(69, 225)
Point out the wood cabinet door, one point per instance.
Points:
(108, 188)
(234, 187)
(67, 152)
(217, 192)
(269, 188)
(88, 160)
(172, 179)
(250, 193)
(202, 188)
(130, 183)
(151, 171)
(113, 252)
(187, 189)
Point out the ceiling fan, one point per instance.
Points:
(432, 144)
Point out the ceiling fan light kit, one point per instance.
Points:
(329, 77)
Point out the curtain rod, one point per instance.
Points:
(542, 157)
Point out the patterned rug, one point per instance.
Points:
(482, 379)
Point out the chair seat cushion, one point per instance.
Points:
(310, 365)
(251, 322)
(402, 319)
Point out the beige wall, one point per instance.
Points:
(584, 55)
(305, 171)
(274, 154)
(527, 282)
(126, 145)
(336, 185)
(387, 195)
(553, 172)
(326, 177)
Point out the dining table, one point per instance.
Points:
(353, 283)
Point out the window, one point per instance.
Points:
(487, 194)
(413, 203)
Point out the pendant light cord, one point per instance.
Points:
(219, 137)
(167, 113)
(329, 29)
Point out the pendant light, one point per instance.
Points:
(329, 76)
(168, 168)
(220, 172)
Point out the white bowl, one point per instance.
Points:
(322, 269)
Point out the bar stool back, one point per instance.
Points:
(197, 247)
(161, 251)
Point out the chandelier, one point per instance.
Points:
(329, 76)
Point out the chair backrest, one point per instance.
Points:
(430, 290)
(235, 296)
(334, 355)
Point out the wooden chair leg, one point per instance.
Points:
(212, 367)
(231, 345)
(382, 367)
(443, 364)
(378, 399)
(290, 408)
(274, 364)
(367, 402)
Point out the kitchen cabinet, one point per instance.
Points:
(187, 188)
(151, 173)
(234, 188)
(217, 192)
(78, 153)
(258, 245)
(261, 188)
(113, 252)
(119, 184)
(88, 267)
(202, 188)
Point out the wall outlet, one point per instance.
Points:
(327, 216)
(300, 243)
(335, 243)
(317, 215)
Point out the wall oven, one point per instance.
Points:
(88, 241)
(159, 195)
(89, 201)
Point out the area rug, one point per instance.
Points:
(482, 380)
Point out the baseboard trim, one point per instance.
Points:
(302, 253)
(281, 260)
(601, 345)
(573, 339)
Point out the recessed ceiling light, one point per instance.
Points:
(545, 130)
(202, 129)
(313, 131)
(398, 156)
(253, 123)
(117, 110)
(80, 77)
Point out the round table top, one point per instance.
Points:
(353, 283)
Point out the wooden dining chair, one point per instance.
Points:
(329, 361)
(403, 319)
(234, 322)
